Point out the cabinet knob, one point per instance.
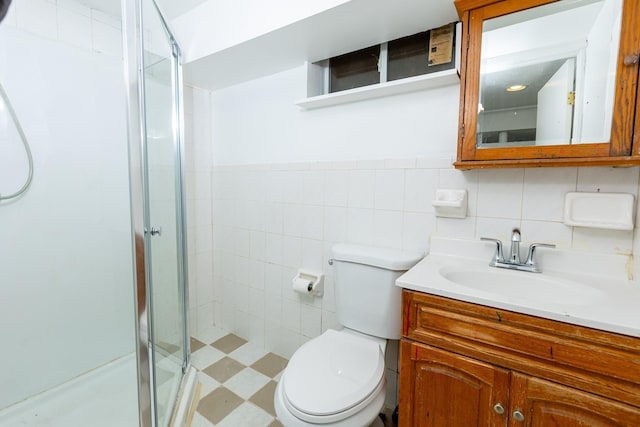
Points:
(631, 59)
(498, 408)
(518, 416)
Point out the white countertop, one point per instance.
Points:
(583, 289)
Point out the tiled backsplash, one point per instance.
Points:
(269, 220)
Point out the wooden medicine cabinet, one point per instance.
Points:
(549, 83)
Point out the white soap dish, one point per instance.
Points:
(612, 211)
(450, 203)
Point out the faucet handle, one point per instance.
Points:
(498, 256)
(531, 257)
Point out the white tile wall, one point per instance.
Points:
(361, 186)
(298, 211)
(389, 189)
(70, 104)
(294, 224)
(106, 39)
(74, 28)
(38, 17)
(68, 21)
(200, 229)
(500, 193)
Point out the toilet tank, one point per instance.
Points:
(367, 299)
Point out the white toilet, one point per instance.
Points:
(338, 378)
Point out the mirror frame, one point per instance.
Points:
(624, 147)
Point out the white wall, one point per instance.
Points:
(69, 22)
(66, 302)
(600, 76)
(257, 122)
(198, 177)
(554, 114)
(288, 184)
(514, 118)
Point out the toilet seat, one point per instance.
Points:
(332, 377)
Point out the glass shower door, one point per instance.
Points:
(164, 226)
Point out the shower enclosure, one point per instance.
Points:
(156, 145)
(92, 255)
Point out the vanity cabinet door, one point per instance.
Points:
(541, 403)
(443, 389)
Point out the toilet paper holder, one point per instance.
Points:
(308, 282)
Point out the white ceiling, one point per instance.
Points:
(493, 86)
(350, 26)
(170, 8)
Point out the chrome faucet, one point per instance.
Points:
(514, 263)
(514, 258)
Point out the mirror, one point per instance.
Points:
(548, 75)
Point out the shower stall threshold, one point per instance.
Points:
(187, 399)
(104, 397)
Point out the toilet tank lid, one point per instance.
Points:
(389, 259)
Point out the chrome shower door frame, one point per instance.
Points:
(133, 48)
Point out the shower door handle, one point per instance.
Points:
(156, 231)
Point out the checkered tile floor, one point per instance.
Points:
(238, 381)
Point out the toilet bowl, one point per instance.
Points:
(338, 378)
(334, 380)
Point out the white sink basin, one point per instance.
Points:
(522, 286)
(581, 288)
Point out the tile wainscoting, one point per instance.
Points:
(269, 220)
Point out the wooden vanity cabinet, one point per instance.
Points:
(441, 388)
(465, 365)
(548, 404)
